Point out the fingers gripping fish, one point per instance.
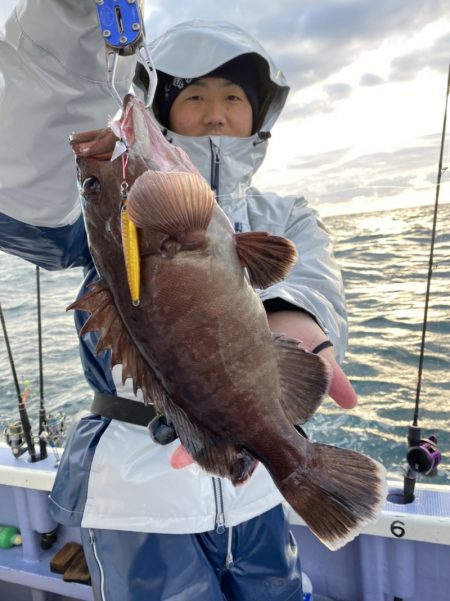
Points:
(198, 345)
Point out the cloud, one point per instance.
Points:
(435, 57)
(336, 178)
(370, 80)
(310, 162)
(338, 91)
(317, 40)
(311, 40)
(308, 109)
(326, 104)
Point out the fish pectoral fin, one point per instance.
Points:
(336, 491)
(304, 379)
(267, 258)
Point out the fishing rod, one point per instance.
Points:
(423, 455)
(51, 426)
(42, 414)
(15, 438)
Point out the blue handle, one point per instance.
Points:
(120, 23)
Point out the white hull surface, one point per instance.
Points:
(404, 556)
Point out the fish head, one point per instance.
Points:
(103, 190)
(109, 161)
(99, 184)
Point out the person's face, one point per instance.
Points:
(212, 106)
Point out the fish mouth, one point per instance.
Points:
(99, 144)
(96, 144)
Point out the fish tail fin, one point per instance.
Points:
(336, 492)
(174, 203)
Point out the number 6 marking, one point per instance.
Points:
(397, 528)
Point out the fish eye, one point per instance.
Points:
(91, 186)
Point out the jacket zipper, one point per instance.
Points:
(218, 499)
(229, 560)
(100, 567)
(215, 167)
(220, 520)
(217, 484)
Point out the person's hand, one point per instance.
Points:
(300, 325)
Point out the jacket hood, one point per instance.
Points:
(193, 48)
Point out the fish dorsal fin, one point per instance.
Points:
(304, 379)
(267, 258)
(113, 335)
(174, 203)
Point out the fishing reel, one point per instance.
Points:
(423, 455)
(53, 433)
(54, 429)
(15, 438)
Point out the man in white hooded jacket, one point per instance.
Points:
(150, 531)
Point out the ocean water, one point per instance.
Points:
(384, 258)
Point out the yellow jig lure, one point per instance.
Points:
(130, 246)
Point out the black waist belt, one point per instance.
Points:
(125, 410)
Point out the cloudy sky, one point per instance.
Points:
(362, 127)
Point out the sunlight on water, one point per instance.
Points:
(384, 258)
(382, 223)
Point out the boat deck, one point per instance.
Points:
(404, 555)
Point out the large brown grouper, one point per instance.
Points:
(194, 335)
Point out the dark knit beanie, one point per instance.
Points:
(240, 70)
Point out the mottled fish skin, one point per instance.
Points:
(199, 344)
(214, 347)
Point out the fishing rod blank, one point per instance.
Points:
(423, 455)
(431, 258)
(42, 414)
(22, 408)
